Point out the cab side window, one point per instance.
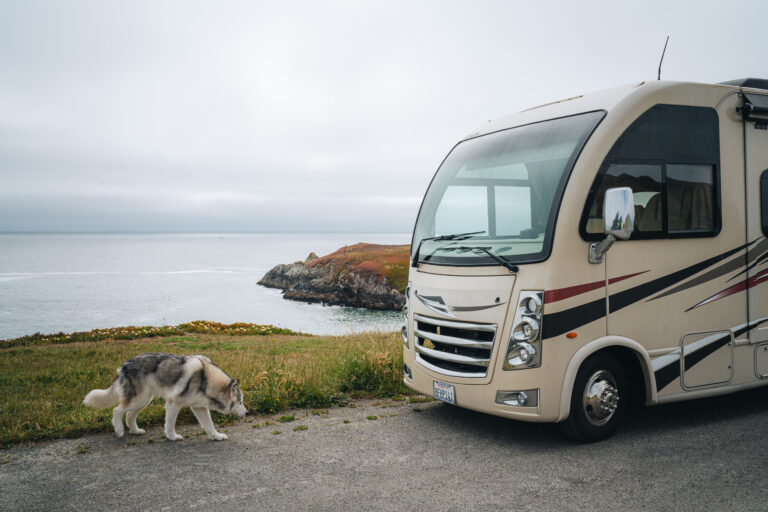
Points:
(670, 159)
(645, 182)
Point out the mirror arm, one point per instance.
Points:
(597, 250)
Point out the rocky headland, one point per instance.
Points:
(362, 275)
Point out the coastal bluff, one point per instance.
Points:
(363, 275)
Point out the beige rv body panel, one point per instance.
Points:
(756, 157)
(661, 325)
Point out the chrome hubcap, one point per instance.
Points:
(601, 398)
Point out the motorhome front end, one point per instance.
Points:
(519, 304)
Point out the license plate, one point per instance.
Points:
(444, 392)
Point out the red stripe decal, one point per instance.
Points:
(738, 287)
(571, 291)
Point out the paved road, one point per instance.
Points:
(703, 455)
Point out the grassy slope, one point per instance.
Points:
(43, 382)
(372, 260)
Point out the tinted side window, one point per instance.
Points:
(690, 198)
(670, 158)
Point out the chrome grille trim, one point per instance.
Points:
(443, 371)
(454, 358)
(454, 341)
(464, 350)
(455, 325)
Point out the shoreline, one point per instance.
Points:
(371, 276)
(77, 283)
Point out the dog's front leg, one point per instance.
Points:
(117, 420)
(203, 415)
(171, 411)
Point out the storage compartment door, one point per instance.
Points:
(761, 360)
(707, 358)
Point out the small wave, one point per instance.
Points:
(34, 274)
(8, 279)
(199, 271)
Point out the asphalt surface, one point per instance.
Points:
(702, 455)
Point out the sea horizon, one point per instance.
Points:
(193, 232)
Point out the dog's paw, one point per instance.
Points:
(119, 433)
(219, 437)
(138, 432)
(174, 437)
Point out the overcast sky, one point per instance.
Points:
(303, 116)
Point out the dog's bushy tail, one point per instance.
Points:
(102, 398)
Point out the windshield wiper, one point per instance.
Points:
(501, 261)
(455, 236)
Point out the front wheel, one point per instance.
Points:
(598, 400)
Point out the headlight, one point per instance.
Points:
(526, 330)
(532, 305)
(405, 331)
(521, 354)
(524, 348)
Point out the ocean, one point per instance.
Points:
(52, 283)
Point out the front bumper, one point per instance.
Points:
(481, 397)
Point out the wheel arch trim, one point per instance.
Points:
(595, 346)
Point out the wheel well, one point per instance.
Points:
(630, 361)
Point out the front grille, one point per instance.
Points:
(459, 349)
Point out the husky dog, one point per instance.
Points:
(183, 381)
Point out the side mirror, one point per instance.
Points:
(618, 221)
(619, 212)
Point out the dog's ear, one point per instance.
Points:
(237, 382)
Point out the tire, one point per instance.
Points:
(598, 401)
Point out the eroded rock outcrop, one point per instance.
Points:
(361, 275)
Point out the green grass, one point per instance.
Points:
(43, 379)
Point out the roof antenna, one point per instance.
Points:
(662, 57)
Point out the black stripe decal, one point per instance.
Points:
(561, 322)
(670, 373)
(725, 268)
(697, 356)
(667, 374)
(750, 267)
(555, 324)
(626, 298)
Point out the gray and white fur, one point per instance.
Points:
(183, 381)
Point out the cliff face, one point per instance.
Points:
(362, 275)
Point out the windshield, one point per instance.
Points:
(507, 185)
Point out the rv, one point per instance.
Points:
(580, 255)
